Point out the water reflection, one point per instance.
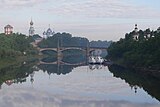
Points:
(93, 67)
(72, 85)
(56, 69)
(16, 73)
(150, 82)
(36, 99)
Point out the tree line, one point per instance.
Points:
(67, 40)
(142, 52)
(15, 45)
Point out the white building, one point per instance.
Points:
(48, 33)
(31, 29)
(136, 34)
(158, 30)
(8, 29)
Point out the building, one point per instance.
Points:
(31, 29)
(8, 29)
(136, 34)
(48, 33)
(158, 30)
(147, 34)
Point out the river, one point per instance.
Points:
(32, 84)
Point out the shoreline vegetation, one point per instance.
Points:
(139, 50)
(15, 45)
(17, 48)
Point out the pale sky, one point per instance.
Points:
(94, 19)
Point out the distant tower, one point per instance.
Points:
(136, 28)
(8, 29)
(31, 29)
(136, 35)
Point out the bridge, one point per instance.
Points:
(59, 50)
(72, 48)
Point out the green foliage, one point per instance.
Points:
(142, 53)
(14, 45)
(64, 40)
(17, 73)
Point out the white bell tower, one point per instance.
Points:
(31, 29)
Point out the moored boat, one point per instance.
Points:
(91, 60)
(95, 60)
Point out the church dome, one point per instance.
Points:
(49, 30)
(31, 23)
(48, 33)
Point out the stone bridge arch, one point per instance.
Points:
(72, 48)
(61, 49)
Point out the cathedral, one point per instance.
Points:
(31, 29)
(48, 33)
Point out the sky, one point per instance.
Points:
(93, 19)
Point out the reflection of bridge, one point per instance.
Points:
(61, 63)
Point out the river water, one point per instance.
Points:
(35, 85)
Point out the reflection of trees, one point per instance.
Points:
(74, 59)
(16, 73)
(148, 81)
(55, 69)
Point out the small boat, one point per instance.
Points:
(99, 60)
(96, 60)
(92, 60)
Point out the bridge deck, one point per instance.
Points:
(69, 48)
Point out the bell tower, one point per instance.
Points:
(136, 34)
(31, 29)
